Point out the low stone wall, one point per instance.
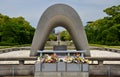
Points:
(13, 49)
(105, 49)
(25, 70)
(28, 48)
(104, 70)
(16, 70)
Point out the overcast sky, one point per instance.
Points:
(31, 10)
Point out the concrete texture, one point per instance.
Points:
(61, 67)
(27, 70)
(16, 70)
(61, 74)
(60, 15)
(68, 70)
(105, 70)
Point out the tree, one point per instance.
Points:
(65, 36)
(112, 11)
(107, 30)
(15, 31)
(52, 37)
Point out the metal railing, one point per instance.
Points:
(68, 52)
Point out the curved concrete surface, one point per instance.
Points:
(60, 15)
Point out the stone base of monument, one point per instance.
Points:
(61, 74)
(61, 69)
(60, 47)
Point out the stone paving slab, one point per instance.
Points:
(102, 53)
(22, 53)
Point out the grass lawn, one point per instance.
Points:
(3, 47)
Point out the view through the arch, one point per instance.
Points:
(59, 36)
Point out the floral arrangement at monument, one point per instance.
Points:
(53, 58)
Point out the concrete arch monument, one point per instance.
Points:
(60, 15)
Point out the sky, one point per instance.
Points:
(31, 10)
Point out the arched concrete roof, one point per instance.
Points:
(60, 15)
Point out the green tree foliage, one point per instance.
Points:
(64, 36)
(15, 31)
(52, 37)
(107, 30)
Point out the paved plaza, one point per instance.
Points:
(26, 53)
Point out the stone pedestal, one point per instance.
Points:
(48, 67)
(37, 67)
(61, 74)
(85, 67)
(73, 67)
(60, 47)
(61, 69)
(61, 66)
